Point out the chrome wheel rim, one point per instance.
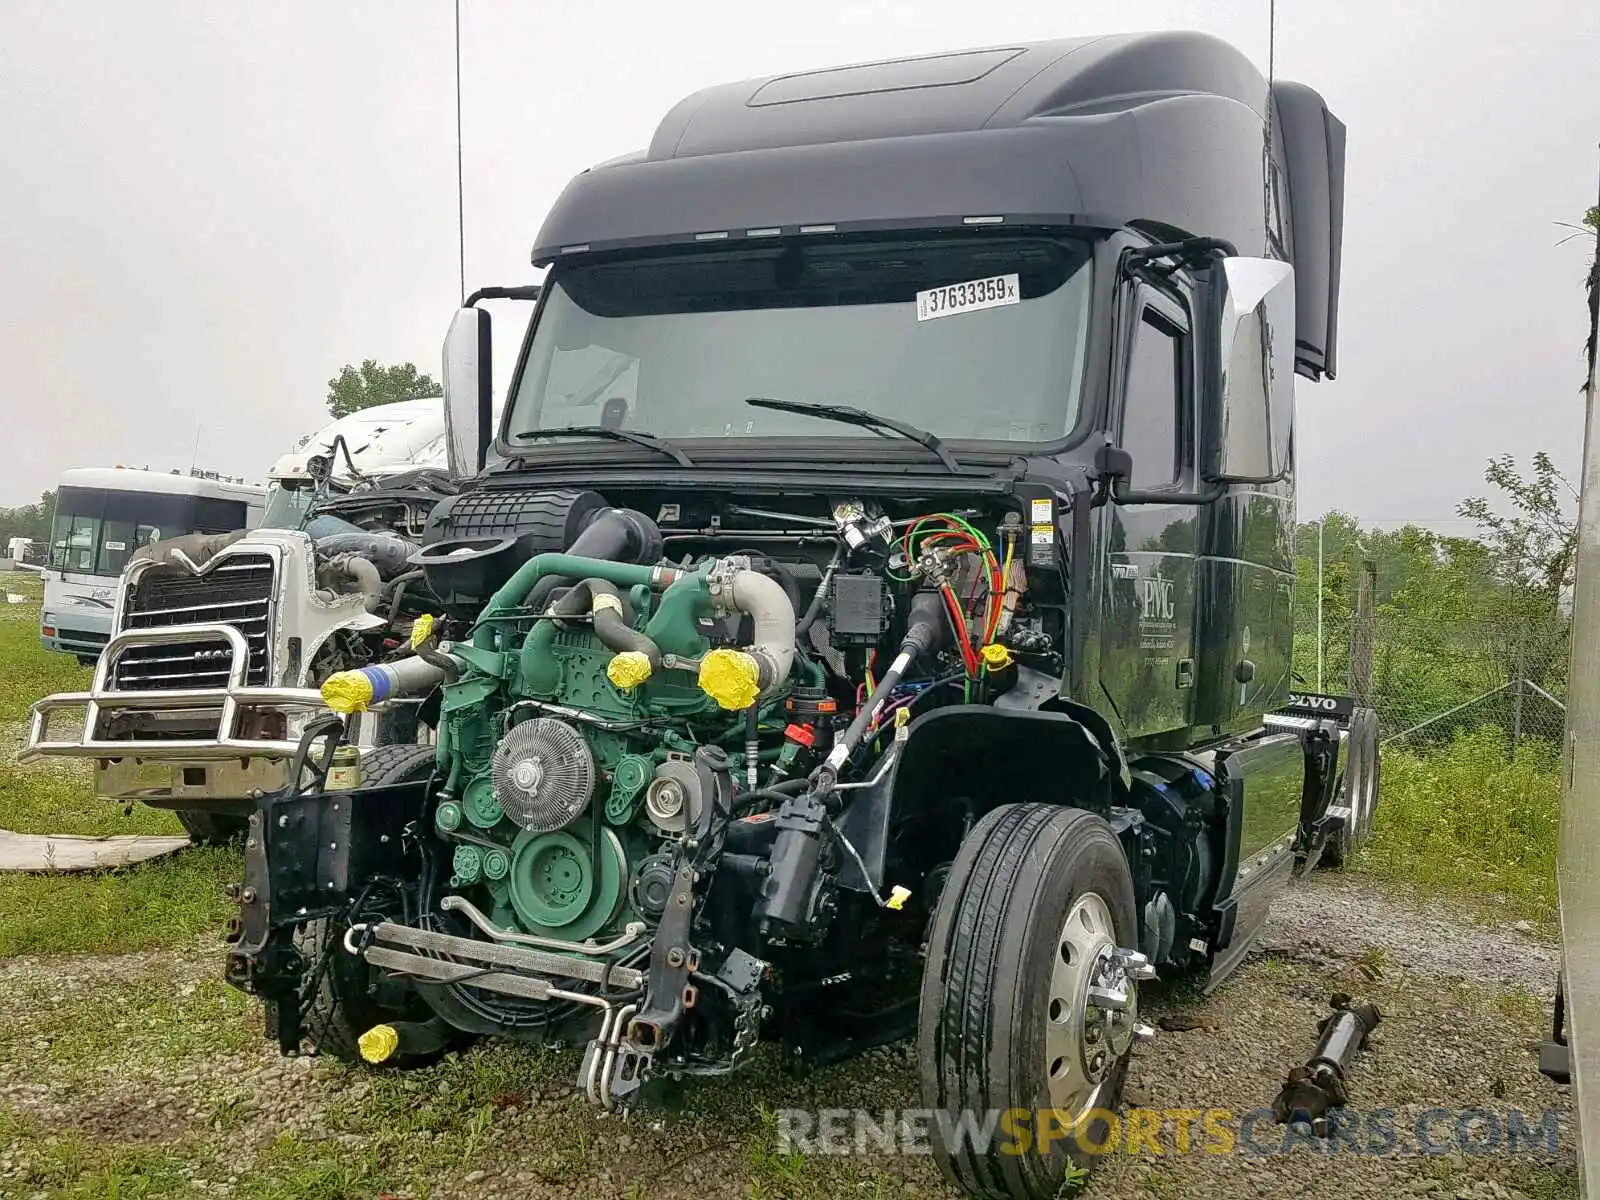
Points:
(1085, 1033)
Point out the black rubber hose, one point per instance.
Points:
(611, 625)
(925, 625)
(814, 609)
(776, 794)
(420, 1038)
(614, 534)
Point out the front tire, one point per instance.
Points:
(1038, 900)
(207, 828)
(336, 1001)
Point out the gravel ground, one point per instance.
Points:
(144, 1075)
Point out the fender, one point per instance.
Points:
(968, 759)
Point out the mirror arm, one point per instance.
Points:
(1112, 466)
(1122, 494)
(527, 291)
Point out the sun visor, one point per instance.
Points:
(1313, 143)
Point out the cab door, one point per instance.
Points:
(1147, 665)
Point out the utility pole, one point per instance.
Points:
(1578, 872)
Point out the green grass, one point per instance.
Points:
(58, 796)
(73, 1167)
(127, 1025)
(166, 902)
(1467, 823)
(31, 671)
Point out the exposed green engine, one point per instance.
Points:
(567, 740)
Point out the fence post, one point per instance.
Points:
(1361, 636)
(1517, 690)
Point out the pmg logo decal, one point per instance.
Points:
(1155, 599)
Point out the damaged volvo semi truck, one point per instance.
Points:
(870, 616)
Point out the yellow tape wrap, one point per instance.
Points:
(421, 628)
(628, 669)
(378, 1044)
(730, 677)
(347, 692)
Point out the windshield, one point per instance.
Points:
(286, 504)
(972, 337)
(96, 529)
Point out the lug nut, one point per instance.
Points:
(1110, 999)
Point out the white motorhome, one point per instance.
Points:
(103, 515)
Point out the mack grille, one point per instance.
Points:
(236, 591)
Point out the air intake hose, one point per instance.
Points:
(613, 534)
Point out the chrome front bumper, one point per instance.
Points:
(230, 703)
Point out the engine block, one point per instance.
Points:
(567, 743)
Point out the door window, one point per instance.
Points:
(1153, 426)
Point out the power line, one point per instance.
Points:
(461, 195)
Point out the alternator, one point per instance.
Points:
(543, 774)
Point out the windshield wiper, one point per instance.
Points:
(849, 415)
(649, 441)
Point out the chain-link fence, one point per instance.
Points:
(1433, 674)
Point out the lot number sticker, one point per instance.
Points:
(971, 296)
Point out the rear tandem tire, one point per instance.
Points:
(340, 1007)
(1358, 788)
(1035, 900)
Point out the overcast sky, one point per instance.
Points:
(207, 208)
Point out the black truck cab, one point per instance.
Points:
(888, 534)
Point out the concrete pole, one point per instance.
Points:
(1578, 872)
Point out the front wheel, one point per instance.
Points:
(207, 828)
(1029, 1001)
(338, 1001)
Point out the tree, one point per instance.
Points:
(1535, 550)
(1533, 555)
(28, 520)
(371, 384)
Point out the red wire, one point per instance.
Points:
(969, 657)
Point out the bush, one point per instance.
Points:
(1469, 822)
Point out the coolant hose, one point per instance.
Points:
(772, 613)
(366, 576)
(601, 601)
(517, 588)
(612, 534)
(356, 691)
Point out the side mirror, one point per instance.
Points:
(468, 391)
(1249, 341)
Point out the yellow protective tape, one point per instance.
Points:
(421, 629)
(601, 602)
(628, 669)
(730, 677)
(378, 1044)
(347, 692)
(897, 897)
